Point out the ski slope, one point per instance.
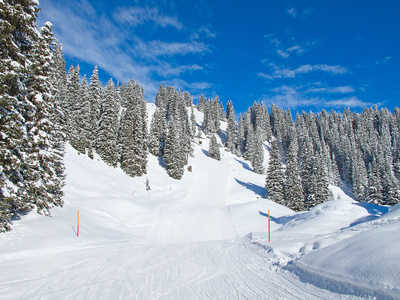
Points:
(202, 237)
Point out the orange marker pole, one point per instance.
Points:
(269, 227)
(77, 227)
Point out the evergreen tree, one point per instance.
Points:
(58, 79)
(250, 146)
(73, 107)
(193, 124)
(160, 97)
(293, 187)
(390, 192)
(95, 92)
(231, 130)
(274, 181)
(241, 136)
(158, 131)
(173, 157)
(43, 169)
(308, 174)
(107, 129)
(80, 129)
(374, 185)
(359, 176)
(132, 135)
(202, 103)
(322, 192)
(214, 149)
(258, 157)
(30, 172)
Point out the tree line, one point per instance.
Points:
(43, 106)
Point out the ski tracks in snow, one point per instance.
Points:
(225, 269)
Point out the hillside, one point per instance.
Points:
(202, 237)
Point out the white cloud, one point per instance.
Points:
(292, 12)
(383, 61)
(296, 49)
(139, 15)
(332, 90)
(350, 102)
(159, 48)
(165, 69)
(295, 96)
(289, 97)
(283, 72)
(90, 36)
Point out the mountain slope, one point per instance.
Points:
(202, 237)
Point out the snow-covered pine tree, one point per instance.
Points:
(107, 129)
(173, 156)
(258, 157)
(374, 185)
(323, 193)
(187, 99)
(217, 112)
(73, 107)
(390, 192)
(214, 148)
(359, 176)
(58, 80)
(42, 172)
(293, 191)
(158, 132)
(79, 137)
(207, 121)
(202, 103)
(265, 125)
(308, 173)
(193, 124)
(132, 137)
(212, 116)
(274, 180)
(250, 146)
(231, 130)
(95, 92)
(161, 97)
(28, 165)
(241, 136)
(17, 33)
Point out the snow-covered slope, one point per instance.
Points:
(202, 237)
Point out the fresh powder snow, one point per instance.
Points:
(202, 237)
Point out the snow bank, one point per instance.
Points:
(366, 264)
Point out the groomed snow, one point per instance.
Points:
(202, 237)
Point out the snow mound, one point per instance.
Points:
(366, 264)
(326, 217)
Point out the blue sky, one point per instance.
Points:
(302, 55)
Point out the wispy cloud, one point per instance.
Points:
(136, 15)
(383, 61)
(113, 43)
(295, 49)
(160, 48)
(299, 96)
(332, 90)
(295, 13)
(351, 102)
(289, 97)
(292, 12)
(283, 72)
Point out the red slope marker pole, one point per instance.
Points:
(269, 227)
(77, 227)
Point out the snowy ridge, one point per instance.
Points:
(202, 237)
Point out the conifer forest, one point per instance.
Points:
(43, 106)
